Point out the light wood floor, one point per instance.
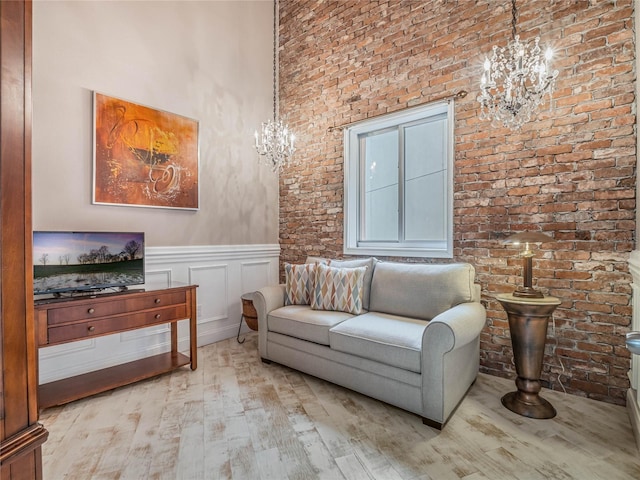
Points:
(235, 417)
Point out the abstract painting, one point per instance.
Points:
(143, 156)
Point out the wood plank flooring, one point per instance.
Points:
(236, 418)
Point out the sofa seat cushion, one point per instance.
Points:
(385, 338)
(302, 322)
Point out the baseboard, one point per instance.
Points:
(634, 414)
(222, 333)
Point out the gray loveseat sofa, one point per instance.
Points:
(415, 346)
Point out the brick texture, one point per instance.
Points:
(570, 174)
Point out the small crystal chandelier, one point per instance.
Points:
(515, 80)
(275, 143)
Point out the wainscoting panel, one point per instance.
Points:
(213, 300)
(222, 273)
(254, 275)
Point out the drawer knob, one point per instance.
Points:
(91, 328)
(91, 310)
(157, 315)
(157, 300)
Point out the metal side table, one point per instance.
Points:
(528, 320)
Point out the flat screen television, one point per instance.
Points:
(86, 261)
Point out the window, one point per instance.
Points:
(399, 184)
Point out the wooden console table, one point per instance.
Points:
(61, 321)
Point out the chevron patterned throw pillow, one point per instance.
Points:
(299, 282)
(338, 289)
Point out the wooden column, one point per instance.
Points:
(21, 436)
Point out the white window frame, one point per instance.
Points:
(353, 186)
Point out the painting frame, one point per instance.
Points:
(144, 156)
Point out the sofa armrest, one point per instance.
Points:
(462, 323)
(265, 300)
(450, 358)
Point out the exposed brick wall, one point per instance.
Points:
(570, 174)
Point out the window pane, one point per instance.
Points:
(380, 174)
(425, 179)
(424, 219)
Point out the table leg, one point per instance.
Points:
(193, 330)
(174, 338)
(238, 335)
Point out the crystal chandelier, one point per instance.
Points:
(275, 143)
(515, 80)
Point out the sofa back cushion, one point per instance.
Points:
(420, 290)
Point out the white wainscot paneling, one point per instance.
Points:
(222, 273)
(214, 302)
(255, 275)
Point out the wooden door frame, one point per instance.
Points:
(21, 435)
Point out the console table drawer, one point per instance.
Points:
(94, 328)
(101, 308)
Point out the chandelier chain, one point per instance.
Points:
(275, 73)
(514, 18)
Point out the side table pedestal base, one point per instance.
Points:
(528, 321)
(533, 407)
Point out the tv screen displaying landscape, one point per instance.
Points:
(81, 261)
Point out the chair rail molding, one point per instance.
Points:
(162, 255)
(633, 394)
(223, 274)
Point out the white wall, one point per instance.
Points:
(208, 60)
